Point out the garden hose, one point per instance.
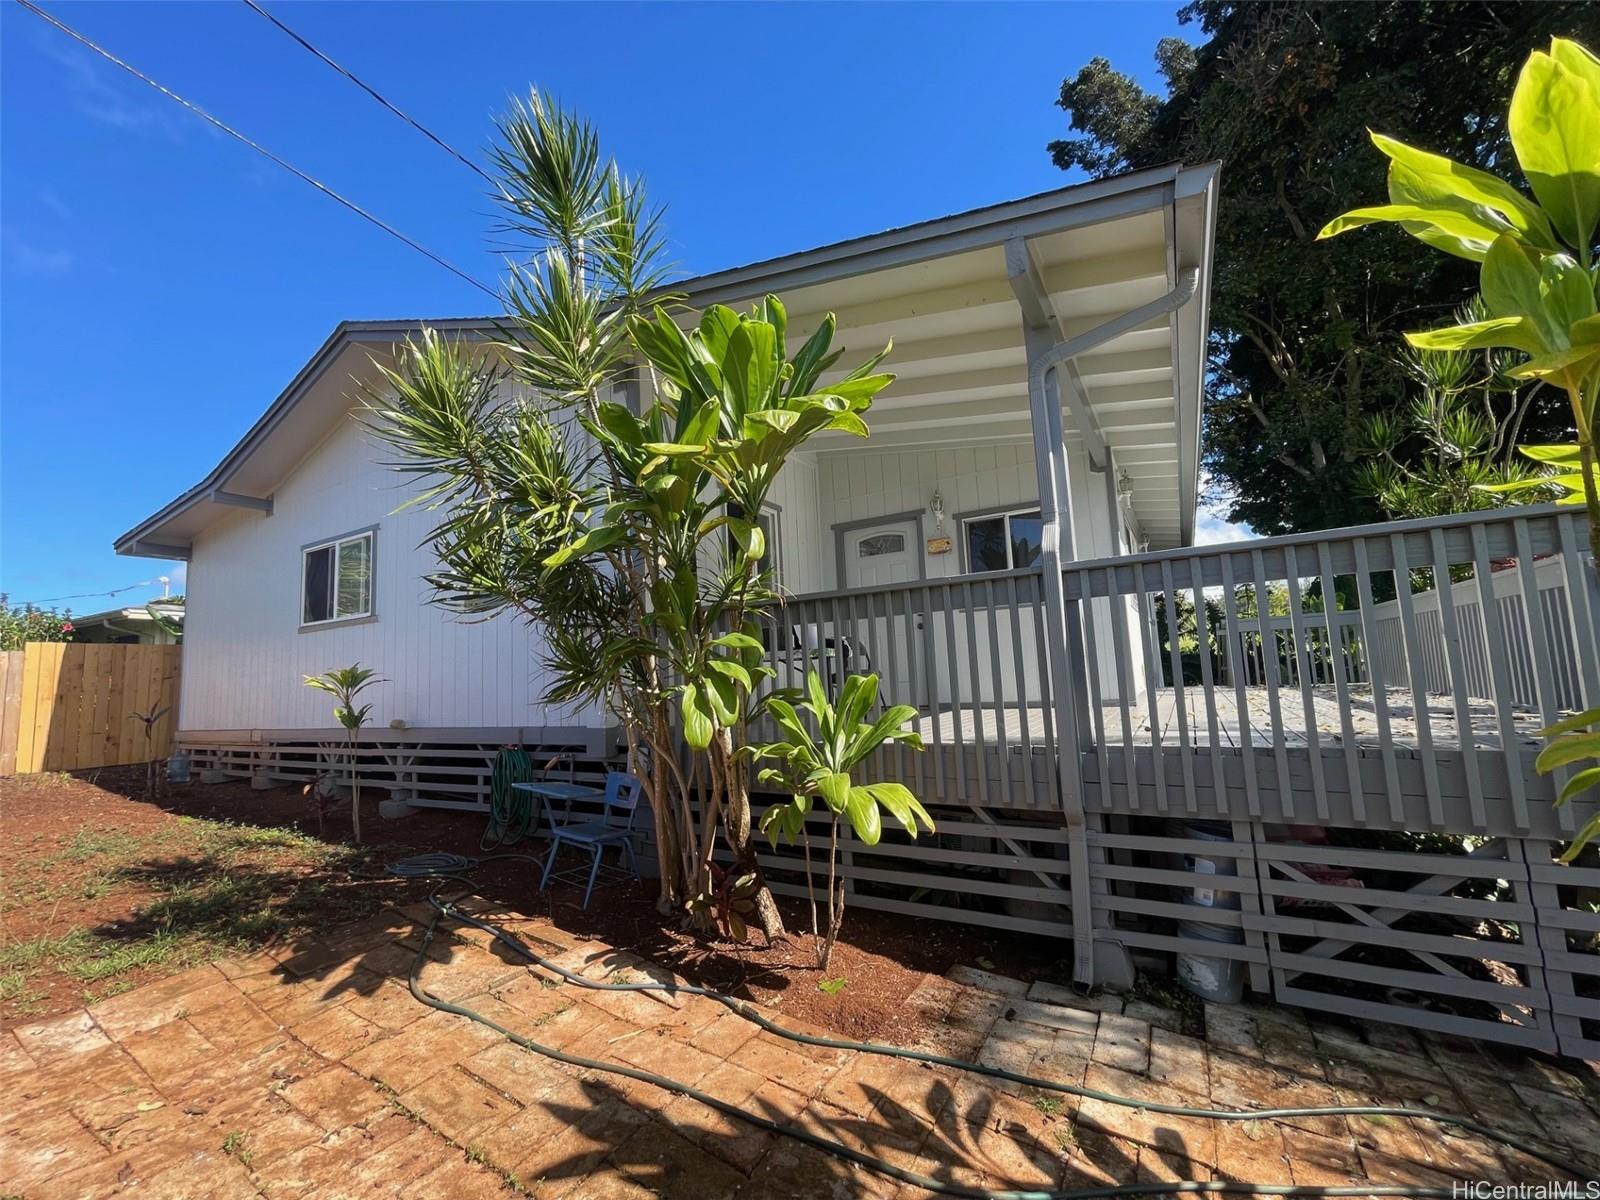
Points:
(510, 808)
(452, 865)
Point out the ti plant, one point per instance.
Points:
(628, 533)
(816, 764)
(153, 774)
(345, 684)
(1538, 282)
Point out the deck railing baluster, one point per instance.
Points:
(1208, 686)
(1180, 702)
(1456, 673)
(1152, 694)
(980, 750)
(1270, 674)
(1230, 602)
(930, 683)
(1419, 686)
(997, 681)
(1024, 704)
(1301, 636)
(1378, 679)
(1539, 640)
(953, 664)
(1123, 650)
(1583, 611)
(1500, 673)
(1337, 653)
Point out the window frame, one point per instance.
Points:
(368, 534)
(1001, 514)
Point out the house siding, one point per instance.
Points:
(245, 655)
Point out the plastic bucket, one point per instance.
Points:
(178, 767)
(1209, 976)
(1202, 896)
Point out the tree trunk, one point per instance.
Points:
(736, 823)
(355, 793)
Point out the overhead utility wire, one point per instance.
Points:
(93, 595)
(258, 148)
(376, 95)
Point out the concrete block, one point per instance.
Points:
(263, 781)
(213, 775)
(394, 809)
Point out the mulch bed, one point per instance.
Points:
(881, 957)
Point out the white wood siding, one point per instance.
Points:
(244, 653)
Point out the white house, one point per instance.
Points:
(299, 560)
(1004, 551)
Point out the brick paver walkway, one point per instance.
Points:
(313, 1072)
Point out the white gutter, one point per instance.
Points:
(1066, 652)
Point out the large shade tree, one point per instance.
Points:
(1303, 337)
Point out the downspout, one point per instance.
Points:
(1065, 653)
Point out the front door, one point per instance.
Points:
(876, 556)
(881, 554)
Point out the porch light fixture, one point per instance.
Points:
(937, 507)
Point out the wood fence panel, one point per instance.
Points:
(71, 707)
(10, 708)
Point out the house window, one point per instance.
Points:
(336, 580)
(1004, 541)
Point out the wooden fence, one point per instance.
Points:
(68, 707)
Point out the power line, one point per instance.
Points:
(258, 148)
(376, 95)
(143, 583)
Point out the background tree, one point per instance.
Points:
(1282, 95)
(1454, 437)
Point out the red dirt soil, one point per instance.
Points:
(881, 957)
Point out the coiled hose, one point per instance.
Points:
(510, 808)
(454, 865)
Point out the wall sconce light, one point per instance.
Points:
(937, 506)
(1125, 487)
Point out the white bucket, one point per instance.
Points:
(1209, 976)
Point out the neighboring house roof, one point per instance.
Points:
(1182, 199)
(140, 615)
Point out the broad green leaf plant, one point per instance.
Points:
(1538, 282)
(598, 470)
(820, 763)
(345, 685)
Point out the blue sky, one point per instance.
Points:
(160, 283)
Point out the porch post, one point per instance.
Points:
(1066, 660)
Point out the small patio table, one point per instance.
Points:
(545, 791)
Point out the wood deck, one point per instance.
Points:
(1224, 726)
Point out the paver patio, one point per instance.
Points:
(312, 1071)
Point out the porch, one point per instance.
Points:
(1349, 779)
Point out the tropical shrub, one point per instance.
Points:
(1538, 283)
(625, 531)
(22, 624)
(345, 684)
(815, 764)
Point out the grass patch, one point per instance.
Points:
(1048, 1105)
(237, 1146)
(198, 889)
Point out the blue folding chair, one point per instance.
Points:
(614, 827)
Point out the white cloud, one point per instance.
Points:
(30, 258)
(1211, 525)
(96, 97)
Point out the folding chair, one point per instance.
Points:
(614, 827)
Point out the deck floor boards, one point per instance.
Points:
(961, 725)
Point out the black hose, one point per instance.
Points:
(446, 909)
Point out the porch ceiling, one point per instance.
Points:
(962, 370)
